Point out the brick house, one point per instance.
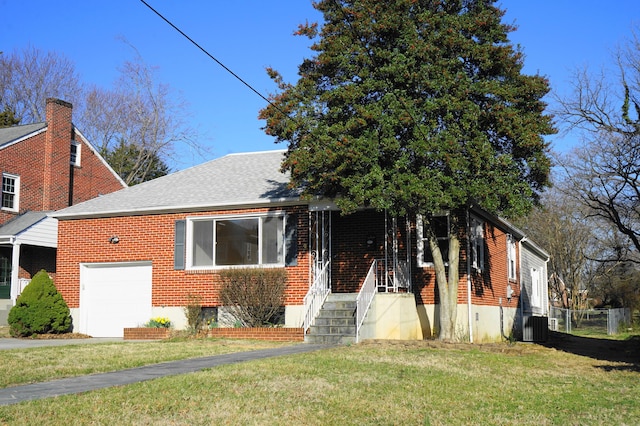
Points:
(143, 251)
(45, 167)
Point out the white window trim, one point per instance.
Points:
(512, 273)
(78, 146)
(420, 243)
(189, 240)
(16, 194)
(476, 240)
(536, 287)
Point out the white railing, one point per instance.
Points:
(402, 276)
(316, 296)
(365, 296)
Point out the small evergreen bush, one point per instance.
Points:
(40, 309)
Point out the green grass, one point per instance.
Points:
(20, 366)
(414, 383)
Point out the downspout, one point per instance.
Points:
(520, 280)
(546, 274)
(470, 320)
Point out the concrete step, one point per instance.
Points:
(336, 305)
(335, 321)
(336, 313)
(329, 339)
(333, 297)
(347, 330)
(5, 307)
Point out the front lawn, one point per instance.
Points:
(413, 383)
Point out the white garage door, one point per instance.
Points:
(114, 296)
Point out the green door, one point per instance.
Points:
(5, 277)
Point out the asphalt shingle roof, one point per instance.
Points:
(232, 180)
(22, 222)
(10, 134)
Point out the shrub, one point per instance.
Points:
(40, 309)
(193, 312)
(254, 296)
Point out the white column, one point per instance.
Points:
(15, 269)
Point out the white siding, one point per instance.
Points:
(43, 234)
(533, 267)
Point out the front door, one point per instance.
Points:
(5, 276)
(320, 239)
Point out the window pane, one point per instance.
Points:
(441, 226)
(441, 229)
(272, 240)
(237, 242)
(203, 243)
(8, 192)
(7, 200)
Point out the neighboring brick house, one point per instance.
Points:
(45, 167)
(144, 251)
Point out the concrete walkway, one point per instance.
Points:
(72, 385)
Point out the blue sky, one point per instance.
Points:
(248, 35)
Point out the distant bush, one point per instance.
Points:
(254, 296)
(40, 309)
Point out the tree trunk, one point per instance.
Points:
(447, 278)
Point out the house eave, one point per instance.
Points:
(23, 137)
(179, 209)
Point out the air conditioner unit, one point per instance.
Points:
(553, 324)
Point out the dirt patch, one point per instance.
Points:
(58, 336)
(4, 333)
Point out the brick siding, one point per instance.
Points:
(146, 333)
(275, 334)
(144, 238)
(151, 238)
(43, 164)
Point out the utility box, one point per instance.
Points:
(535, 329)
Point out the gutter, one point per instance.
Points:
(60, 215)
(7, 239)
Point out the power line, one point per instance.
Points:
(209, 55)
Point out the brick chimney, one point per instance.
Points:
(57, 151)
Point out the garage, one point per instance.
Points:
(114, 296)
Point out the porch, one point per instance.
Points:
(361, 279)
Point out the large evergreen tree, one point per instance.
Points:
(135, 165)
(8, 117)
(416, 107)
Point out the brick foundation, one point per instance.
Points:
(146, 333)
(281, 334)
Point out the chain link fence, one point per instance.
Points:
(608, 321)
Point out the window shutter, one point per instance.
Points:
(179, 245)
(291, 240)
